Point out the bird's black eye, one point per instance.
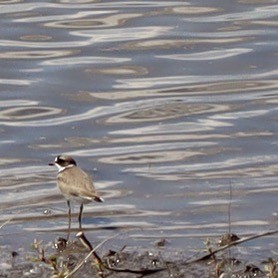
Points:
(59, 159)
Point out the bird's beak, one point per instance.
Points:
(51, 164)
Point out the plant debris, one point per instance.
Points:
(78, 258)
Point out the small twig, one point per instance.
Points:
(229, 214)
(229, 208)
(234, 243)
(90, 254)
(86, 243)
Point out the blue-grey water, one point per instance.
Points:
(170, 105)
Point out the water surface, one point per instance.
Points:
(170, 105)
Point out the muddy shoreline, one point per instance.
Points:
(78, 258)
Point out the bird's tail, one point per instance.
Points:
(99, 199)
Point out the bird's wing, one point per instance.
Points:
(78, 183)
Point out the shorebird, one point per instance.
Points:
(75, 185)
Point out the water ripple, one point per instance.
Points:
(40, 54)
(27, 112)
(109, 21)
(17, 82)
(257, 13)
(169, 104)
(122, 34)
(84, 60)
(157, 82)
(208, 55)
(60, 19)
(47, 44)
(230, 168)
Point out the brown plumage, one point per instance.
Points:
(75, 184)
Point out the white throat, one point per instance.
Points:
(61, 168)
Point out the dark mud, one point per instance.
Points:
(78, 258)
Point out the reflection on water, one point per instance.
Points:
(33, 54)
(23, 113)
(169, 105)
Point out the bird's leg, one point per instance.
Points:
(69, 216)
(80, 216)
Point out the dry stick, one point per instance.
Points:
(85, 241)
(127, 270)
(230, 213)
(89, 254)
(87, 244)
(234, 243)
(229, 208)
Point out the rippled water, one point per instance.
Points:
(169, 104)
